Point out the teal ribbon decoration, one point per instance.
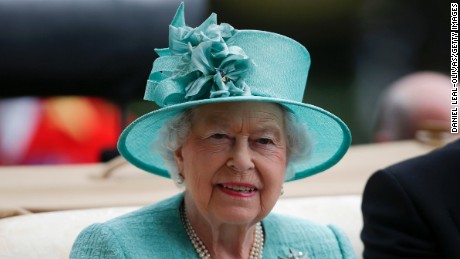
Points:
(198, 64)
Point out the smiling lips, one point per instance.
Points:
(238, 189)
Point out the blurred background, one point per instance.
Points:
(73, 73)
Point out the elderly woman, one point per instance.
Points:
(231, 130)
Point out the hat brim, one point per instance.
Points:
(331, 137)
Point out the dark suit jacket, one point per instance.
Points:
(412, 209)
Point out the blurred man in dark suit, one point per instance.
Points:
(412, 209)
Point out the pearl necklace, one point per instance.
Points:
(202, 251)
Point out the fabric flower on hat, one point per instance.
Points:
(207, 68)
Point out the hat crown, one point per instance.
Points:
(280, 67)
(214, 61)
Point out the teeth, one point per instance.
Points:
(239, 188)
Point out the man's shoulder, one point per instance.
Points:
(444, 158)
(431, 179)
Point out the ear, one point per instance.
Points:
(179, 159)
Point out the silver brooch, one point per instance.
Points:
(294, 254)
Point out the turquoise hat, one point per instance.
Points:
(217, 63)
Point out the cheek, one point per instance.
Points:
(205, 149)
(201, 162)
(271, 174)
(270, 194)
(272, 170)
(277, 158)
(198, 178)
(199, 184)
(281, 158)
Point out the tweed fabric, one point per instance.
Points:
(156, 231)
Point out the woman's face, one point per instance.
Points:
(234, 161)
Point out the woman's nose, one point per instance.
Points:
(240, 158)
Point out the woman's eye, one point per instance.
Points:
(219, 136)
(265, 141)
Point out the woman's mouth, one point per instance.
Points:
(240, 190)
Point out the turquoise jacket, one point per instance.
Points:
(156, 231)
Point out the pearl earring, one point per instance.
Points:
(180, 179)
